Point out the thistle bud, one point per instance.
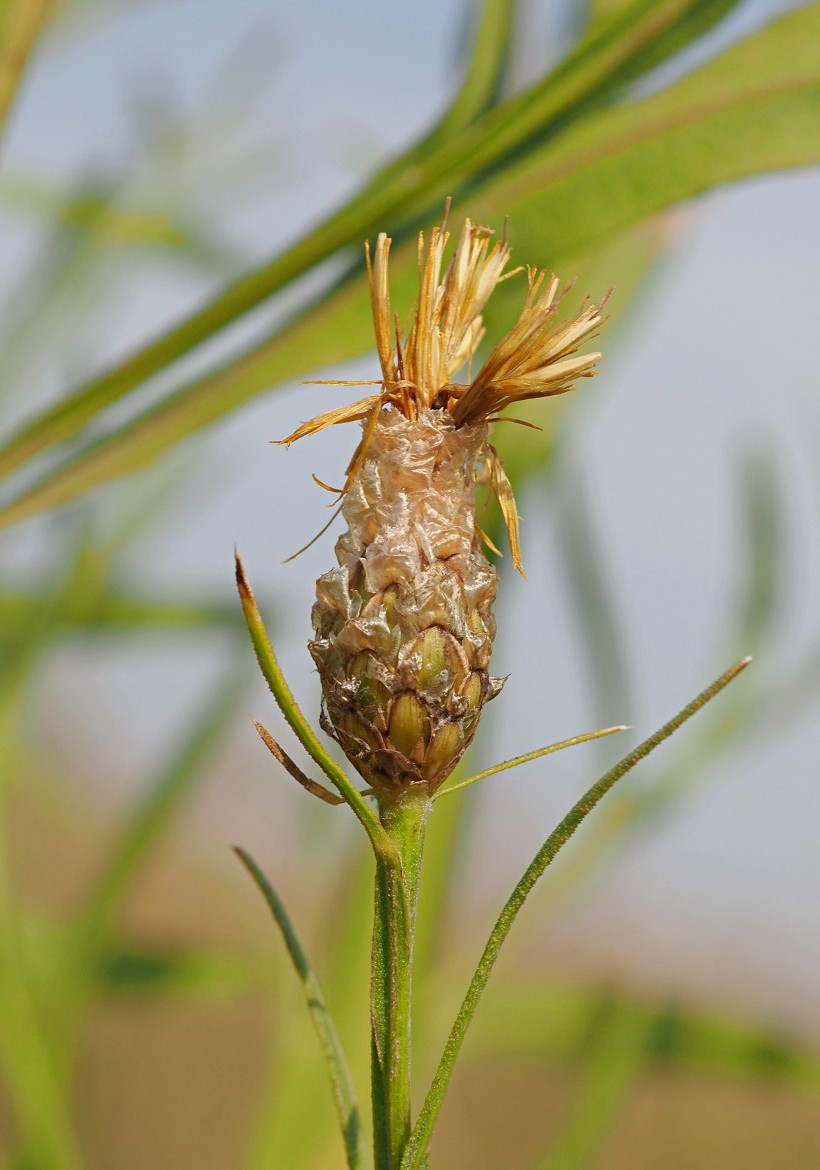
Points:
(403, 626)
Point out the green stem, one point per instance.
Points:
(415, 1155)
(397, 882)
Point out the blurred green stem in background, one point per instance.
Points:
(47, 980)
(30, 1068)
(21, 22)
(563, 159)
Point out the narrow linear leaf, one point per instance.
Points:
(692, 22)
(299, 725)
(23, 615)
(525, 759)
(335, 331)
(417, 1146)
(755, 109)
(485, 69)
(288, 1131)
(344, 1097)
(406, 188)
(22, 23)
(600, 10)
(125, 971)
(293, 769)
(478, 93)
(533, 1019)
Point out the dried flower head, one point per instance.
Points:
(404, 625)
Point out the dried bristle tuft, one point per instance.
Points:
(537, 358)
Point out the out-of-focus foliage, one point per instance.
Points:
(586, 162)
(561, 159)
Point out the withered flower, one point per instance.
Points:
(404, 625)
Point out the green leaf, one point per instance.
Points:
(479, 90)
(754, 109)
(554, 1022)
(151, 971)
(25, 616)
(91, 211)
(757, 108)
(344, 1097)
(527, 758)
(281, 692)
(402, 192)
(710, 1043)
(21, 23)
(417, 1147)
(613, 1038)
(288, 1132)
(485, 71)
(693, 21)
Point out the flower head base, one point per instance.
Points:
(403, 625)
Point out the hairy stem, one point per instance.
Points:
(397, 882)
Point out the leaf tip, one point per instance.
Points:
(242, 583)
(738, 667)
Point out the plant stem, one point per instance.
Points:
(415, 1156)
(397, 882)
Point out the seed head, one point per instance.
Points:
(403, 625)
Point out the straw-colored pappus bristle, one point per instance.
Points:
(537, 358)
(404, 625)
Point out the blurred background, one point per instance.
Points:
(658, 1003)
